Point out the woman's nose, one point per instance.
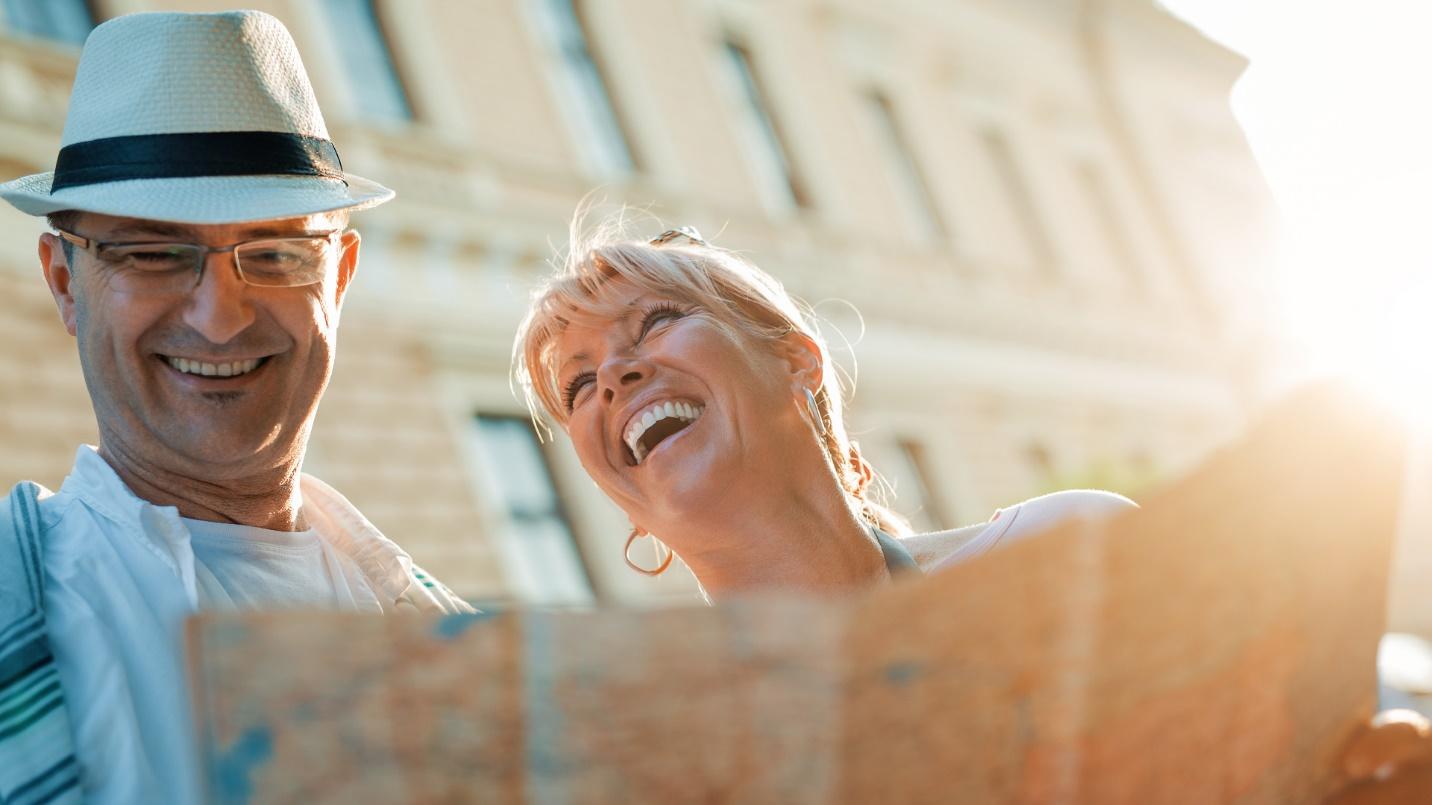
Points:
(620, 375)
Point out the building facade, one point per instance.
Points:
(1042, 211)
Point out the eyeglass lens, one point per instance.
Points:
(175, 266)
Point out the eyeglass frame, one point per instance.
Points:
(88, 244)
(688, 232)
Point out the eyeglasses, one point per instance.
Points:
(688, 232)
(153, 267)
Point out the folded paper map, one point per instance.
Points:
(1217, 645)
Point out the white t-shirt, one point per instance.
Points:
(238, 567)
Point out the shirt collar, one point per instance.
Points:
(387, 566)
(98, 485)
(158, 528)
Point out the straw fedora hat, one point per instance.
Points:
(194, 118)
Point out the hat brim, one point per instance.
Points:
(199, 200)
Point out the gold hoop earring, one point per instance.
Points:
(661, 549)
(815, 416)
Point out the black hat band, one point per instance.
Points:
(172, 156)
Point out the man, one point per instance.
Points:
(200, 257)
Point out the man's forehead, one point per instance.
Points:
(107, 226)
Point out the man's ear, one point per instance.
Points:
(801, 356)
(347, 262)
(58, 277)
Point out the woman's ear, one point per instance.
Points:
(801, 356)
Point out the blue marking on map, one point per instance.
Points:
(450, 626)
(304, 712)
(232, 768)
(901, 674)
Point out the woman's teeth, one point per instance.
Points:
(641, 423)
(191, 367)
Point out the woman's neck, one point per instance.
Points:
(805, 539)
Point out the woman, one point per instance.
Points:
(703, 401)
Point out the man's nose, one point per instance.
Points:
(218, 307)
(619, 374)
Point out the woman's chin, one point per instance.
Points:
(694, 500)
(689, 479)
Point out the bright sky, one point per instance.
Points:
(1337, 106)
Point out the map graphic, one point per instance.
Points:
(1216, 645)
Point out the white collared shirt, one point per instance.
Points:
(121, 576)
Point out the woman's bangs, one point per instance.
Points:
(595, 288)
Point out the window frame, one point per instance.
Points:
(358, 111)
(1093, 178)
(933, 508)
(565, 82)
(910, 176)
(999, 147)
(762, 128)
(560, 510)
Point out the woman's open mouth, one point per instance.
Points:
(657, 423)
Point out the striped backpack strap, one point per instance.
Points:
(37, 753)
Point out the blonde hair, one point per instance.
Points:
(732, 290)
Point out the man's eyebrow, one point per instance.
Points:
(138, 228)
(165, 229)
(270, 232)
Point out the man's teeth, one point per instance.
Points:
(191, 367)
(685, 412)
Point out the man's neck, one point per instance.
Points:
(267, 499)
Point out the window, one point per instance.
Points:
(1096, 187)
(1000, 154)
(374, 88)
(536, 543)
(1039, 462)
(917, 202)
(781, 189)
(917, 498)
(60, 20)
(583, 93)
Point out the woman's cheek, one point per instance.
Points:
(582, 442)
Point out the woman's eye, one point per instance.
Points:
(569, 395)
(658, 314)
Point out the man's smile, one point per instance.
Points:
(211, 372)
